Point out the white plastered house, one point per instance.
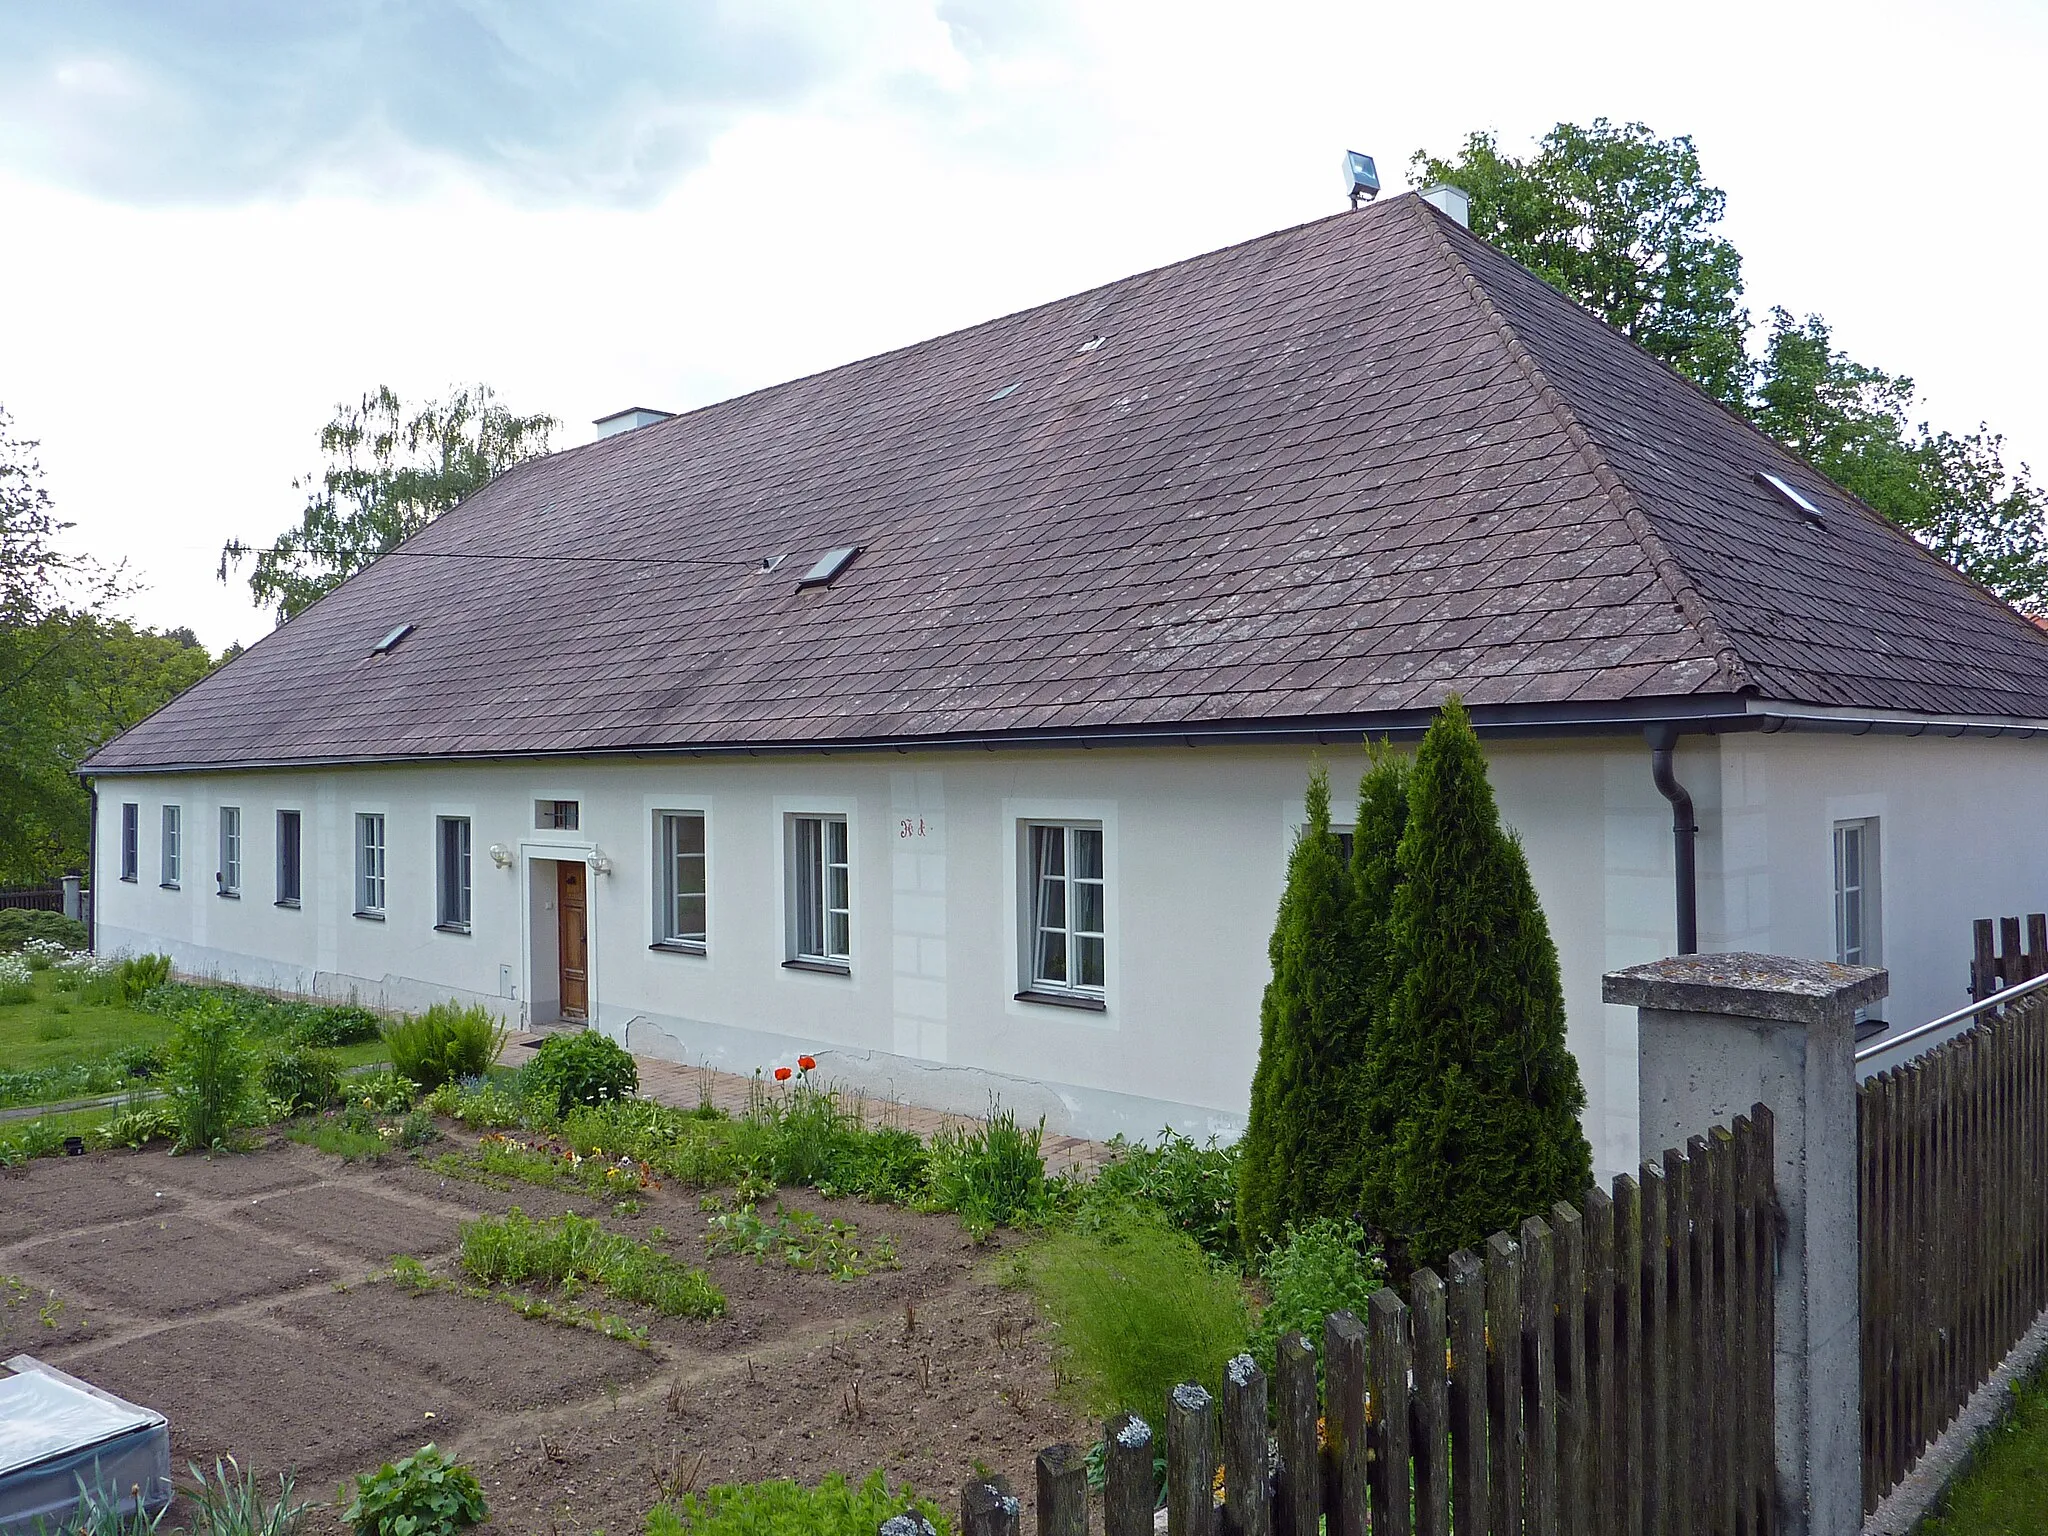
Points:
(947, 715)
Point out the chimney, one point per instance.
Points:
(626, 420)
(1455, 202)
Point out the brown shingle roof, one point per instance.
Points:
(1329, 475)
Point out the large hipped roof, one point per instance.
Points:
(1322, 478)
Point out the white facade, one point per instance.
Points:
(1194, 844)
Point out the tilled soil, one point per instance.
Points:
(247, 1298)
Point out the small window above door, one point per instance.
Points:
(557, 815)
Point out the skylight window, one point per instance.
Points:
(1091, 345)
(1005, 392)
(1792, 496)
(829, 565)
(391, 640)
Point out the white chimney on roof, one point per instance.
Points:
(626, 420)
(1447, 199)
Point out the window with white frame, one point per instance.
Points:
(228, 876)
(451, 901)
(172, 857)
(369, 864)
(288, 858)
(680, 889)
(131, 841)
(821, 893)
(1066, 949)
(1857, 925)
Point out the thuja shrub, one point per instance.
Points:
(834, 1507)
(210, 1079)
(580, 1068)
(1477, 1093)
(426, 1494)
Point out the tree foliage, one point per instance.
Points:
(1625, 223)
(1622, 221)
(391, 469)
(1473, 1096)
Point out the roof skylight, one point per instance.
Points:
(391, 640)
(829, 565)
(1792, 496)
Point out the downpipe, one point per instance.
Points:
(1685, 830)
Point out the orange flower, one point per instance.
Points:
(808, 1063)
(782, 1074)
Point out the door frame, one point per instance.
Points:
(532, 850)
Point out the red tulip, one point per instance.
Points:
(808, 1063)
(782, 1074)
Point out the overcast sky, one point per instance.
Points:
(221, 218)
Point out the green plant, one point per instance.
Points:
(783, 1508)
(302, 1079)
(381, 1092)
(231, 1503)
(18, 925)
(514, 1249)
(480, 1104)
(138, 1123)
(444, 1044)
(580, 1068)
(1138, 1308)
(99, 1513)
(211, 1081)
(417, 1129)
(1318, 1267)
(1192, 1186)
(426, 1494)
(1477, 1092)
(25, 1143)
(992, 1175)
(17, 979)
(138, 974)
(800, 1239)
(333, 1135)
(1330, 965)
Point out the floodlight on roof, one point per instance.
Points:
(391, 640)
(1792, 496)
(1361, 177)
(829, 565)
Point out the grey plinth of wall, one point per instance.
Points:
(1718, 1033)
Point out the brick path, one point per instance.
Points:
(670, 1082)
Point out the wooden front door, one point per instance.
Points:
(574, 942)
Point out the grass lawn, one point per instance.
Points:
(59, 1030)
(2006, 1492)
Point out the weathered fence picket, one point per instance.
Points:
(1953, 1248)
(1607, 1369)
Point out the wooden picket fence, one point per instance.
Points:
(1994, 966)
(1606, 1371)
(1952, 1158)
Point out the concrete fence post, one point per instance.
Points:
(72, 885)
(1716, 1034)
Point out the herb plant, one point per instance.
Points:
(426, 1494)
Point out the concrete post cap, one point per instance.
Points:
(1773, 987)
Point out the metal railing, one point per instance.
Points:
(1949, 1020)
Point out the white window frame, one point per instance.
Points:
(172, 859)
(1859, 915)
(228, 875)
(559, 815)
(297, 861)
(813, 938)
(1047, 895)
(453, 865)
(670, 885)
(131, 841)
(370, 870)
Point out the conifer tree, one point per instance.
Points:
(1309, 1008)
(1375, 875)
(1472, 1081)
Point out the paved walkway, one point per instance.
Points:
(670, 1082)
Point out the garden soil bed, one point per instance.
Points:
(246, 1298)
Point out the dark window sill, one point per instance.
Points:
(679, 947)
(461, 928)
(371, 917)
(169, 885)
(1079, 1000)
(287, 901)
(229, 895)
(129, 880)
(823, 967)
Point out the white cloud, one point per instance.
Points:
(926, 165)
